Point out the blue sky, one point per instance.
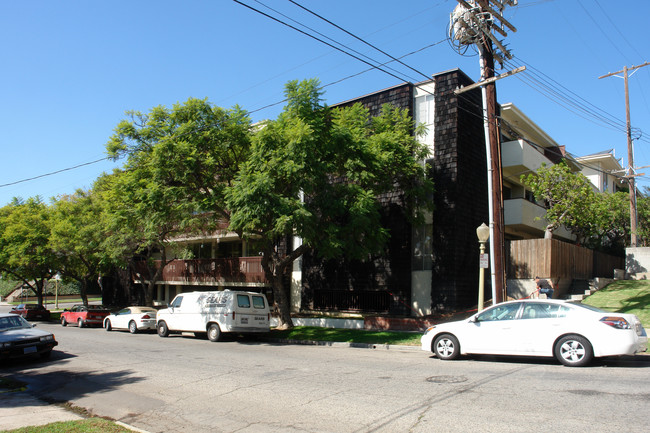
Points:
(72, 68)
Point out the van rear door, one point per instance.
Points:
(251, 312)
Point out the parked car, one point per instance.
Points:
(92, 315)
(132, 318)
(31, 311)
(19, 338)
(214, 313)
(571, 332)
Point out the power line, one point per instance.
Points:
(353, 75)
(55, 172)
(358, 38)
(560, 94)
(319, 33)
(317, 39)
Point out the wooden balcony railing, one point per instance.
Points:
(224, 271)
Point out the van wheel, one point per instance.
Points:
(163, 330)
(214, 332)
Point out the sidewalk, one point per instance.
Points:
(19, 409)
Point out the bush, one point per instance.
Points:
(7, 286)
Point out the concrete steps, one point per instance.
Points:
(580, 289)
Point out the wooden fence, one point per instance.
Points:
(556, 259)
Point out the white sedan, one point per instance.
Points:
(571, 332)
(132, 318)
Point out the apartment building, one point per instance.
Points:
(422, 269)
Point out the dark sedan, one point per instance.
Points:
(31, 311)
(18, 338)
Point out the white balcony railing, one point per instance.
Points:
(519, 157)
(522, 218)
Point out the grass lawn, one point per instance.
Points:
(629, 296)
(90, 425)
(348, 335)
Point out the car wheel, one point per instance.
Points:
(133, 328)
(163, 330)
(574, 351)
(446, 347)
(63, 322)
(80, 323)
(214, 332)
(107, 325)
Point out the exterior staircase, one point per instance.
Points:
(579, 289)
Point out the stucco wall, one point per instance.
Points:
(637, 263)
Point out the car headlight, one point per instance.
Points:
(46, 338)
(5, 345)
(429, 329)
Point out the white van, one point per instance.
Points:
(214, 313)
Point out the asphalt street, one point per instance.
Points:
(183, 383)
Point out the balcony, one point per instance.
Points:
(518, 157)
(526, 220)
(241, 271)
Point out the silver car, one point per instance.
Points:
(18, 338)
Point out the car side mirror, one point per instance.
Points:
(33, 325)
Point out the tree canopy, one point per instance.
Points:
(25, 253)
(569, 198)
(179, 162)
(318, 174)
(77, 238)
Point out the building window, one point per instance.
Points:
(425, 115)
(422, 247)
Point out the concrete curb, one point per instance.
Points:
(393, 347)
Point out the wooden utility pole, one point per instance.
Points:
(496, 238)
(630, 152)
(473, 22)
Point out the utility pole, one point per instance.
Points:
(630, 152)
(473, 23)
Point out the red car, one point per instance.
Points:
(92, 315)
(31, 311)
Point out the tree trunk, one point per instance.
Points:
(84, 291)
(548, 233)
(39, 291)
(274, 272)
(281, 299)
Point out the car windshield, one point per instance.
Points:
(96, 307)
(15, 322)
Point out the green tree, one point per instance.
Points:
(77, 238)
(569, 197)
(614, 226)
(317, 174)
(643, 218)
(179, 162)
(25, 253)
